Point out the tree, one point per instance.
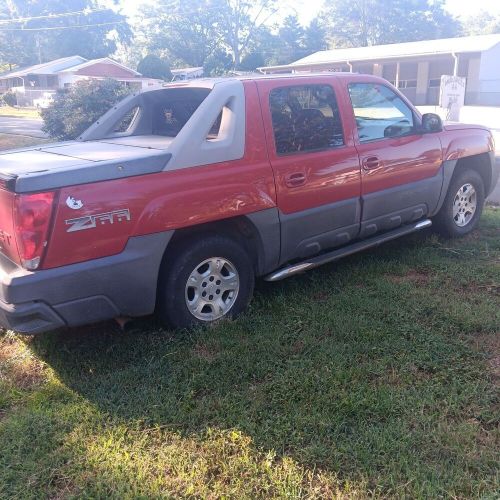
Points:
(185, 31)
(154, 67)
(239, 23)
(356, 23)
(74, 110)
(42, 30)
(291, 35)
(218, 63)
(482, 24)
(314, 37)
(193, 31)
(252, 61)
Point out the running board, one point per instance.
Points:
(319, 260)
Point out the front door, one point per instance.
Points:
(400, 167)
(315, 163)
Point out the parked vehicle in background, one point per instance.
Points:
(177, 198)
(45, 101)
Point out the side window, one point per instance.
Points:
(305, 118)
(379, 112)
(125, 123)
(215, 129)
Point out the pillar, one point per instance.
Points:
(422, 83)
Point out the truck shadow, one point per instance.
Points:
(326, 368)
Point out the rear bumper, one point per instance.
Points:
(30, 318)
(119, 285)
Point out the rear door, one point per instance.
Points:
(400, 167)
(315, 163)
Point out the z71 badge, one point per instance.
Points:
(92, 221)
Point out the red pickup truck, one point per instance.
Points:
(177, 198)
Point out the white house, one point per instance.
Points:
(416, 67)
(186, 73)
(37, 81)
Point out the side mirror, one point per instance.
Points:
(431, 123)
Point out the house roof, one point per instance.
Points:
(186, 71)
(460, 45)
(106, 60)
(49, 68)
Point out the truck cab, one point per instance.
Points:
(178, 198)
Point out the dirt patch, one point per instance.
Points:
(490, 345)
(412, 276)
(19, 366)
(321, 297)
(206, 352)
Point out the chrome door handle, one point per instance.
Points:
(371, 162)
(295, 180)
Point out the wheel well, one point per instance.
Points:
(239, 228)
(480, 163)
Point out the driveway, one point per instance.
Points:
(21, 126)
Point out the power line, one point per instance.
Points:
(51, 16)
(76, 26)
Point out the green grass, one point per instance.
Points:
(374, 377)
(19, 112)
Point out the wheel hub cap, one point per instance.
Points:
(212, 289)
(464, 205)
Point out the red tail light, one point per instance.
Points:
(32, 215)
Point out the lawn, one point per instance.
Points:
(377, 376)
(11, 141)
(19, 112)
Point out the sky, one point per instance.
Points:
(308, 9)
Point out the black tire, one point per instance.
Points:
(444, 221)
(172, 306)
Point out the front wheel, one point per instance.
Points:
(463, 205)
(208, 279)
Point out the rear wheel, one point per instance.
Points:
(463, 205)
(208, 279)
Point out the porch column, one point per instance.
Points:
(473, 85)
(378, 69)
(398, 67)
(422, 83)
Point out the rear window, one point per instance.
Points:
(163, 113)
(170, 117)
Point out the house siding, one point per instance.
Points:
(104, 70)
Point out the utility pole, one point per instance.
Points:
(38, 47)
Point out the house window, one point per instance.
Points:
(52, 81)
(407, 84)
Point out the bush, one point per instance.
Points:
(154, 67)
(10, 99)
(74, 110)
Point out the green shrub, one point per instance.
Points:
(75, 109)
(9, 98)
(154, 67)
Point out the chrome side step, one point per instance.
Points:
(319, 260)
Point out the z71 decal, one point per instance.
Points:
(92, 221)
